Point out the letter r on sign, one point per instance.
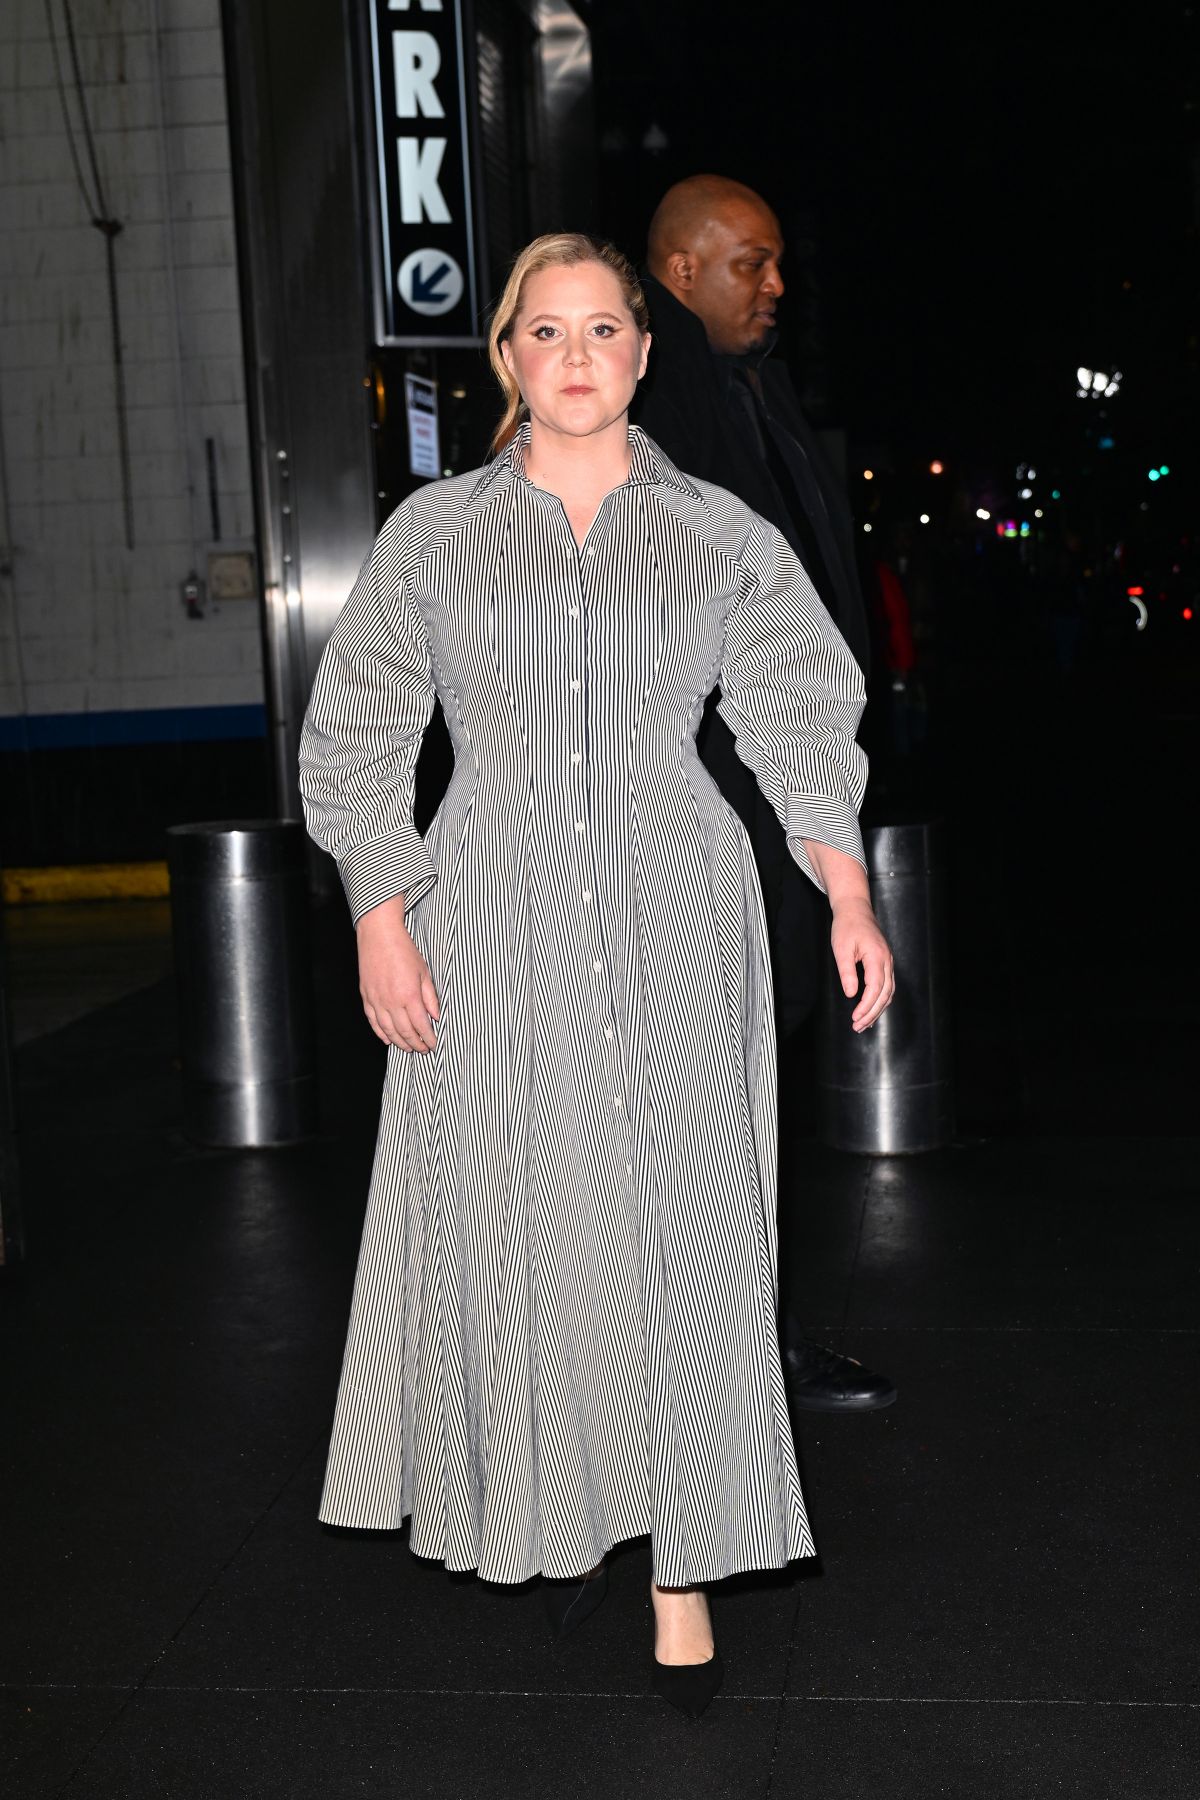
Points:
(416, 59)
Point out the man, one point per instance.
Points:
(722, 410)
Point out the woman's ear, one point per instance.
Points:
(647, 340)
(506, 353)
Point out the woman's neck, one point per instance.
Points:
(576, 466)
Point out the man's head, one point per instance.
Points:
(717, 246)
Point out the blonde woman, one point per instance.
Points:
(563, 1332)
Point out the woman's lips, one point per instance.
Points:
(579, 390)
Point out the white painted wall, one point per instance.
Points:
(87, 625)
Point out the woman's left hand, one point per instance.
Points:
(856, 938)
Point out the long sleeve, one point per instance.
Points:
(371, 702)
(792, 695)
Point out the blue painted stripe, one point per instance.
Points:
(154, 725)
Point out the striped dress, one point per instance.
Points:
(563, 1331)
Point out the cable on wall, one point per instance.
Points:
(109, 228)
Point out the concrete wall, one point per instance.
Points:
(95, 644)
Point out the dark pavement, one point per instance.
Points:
(1005, 1601)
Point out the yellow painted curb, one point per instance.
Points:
(86, 881)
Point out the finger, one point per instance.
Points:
(874, 959)
(392, 1028)
(419, 1027)
(881, 987)
(847, 968)
(429, 997)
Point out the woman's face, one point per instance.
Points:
(575, 349)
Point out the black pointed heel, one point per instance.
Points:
(569, 1603)
(689, 1686)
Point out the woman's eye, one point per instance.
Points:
(607, 330)
(544, 332)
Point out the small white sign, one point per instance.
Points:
(430, 281)
(424, 451)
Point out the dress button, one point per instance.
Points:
(608, 1032)
(573, 611)
(579, 824)
(576, 756)
(617, 1101)
(574, 687)
(586, 896)
(598, 967)
(629, 1168)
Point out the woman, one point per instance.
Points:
(563, 1331)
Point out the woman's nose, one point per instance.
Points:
(576, 353)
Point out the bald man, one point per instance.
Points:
(722, 410)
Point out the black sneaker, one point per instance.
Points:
(822, 1380)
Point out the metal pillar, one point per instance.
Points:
(11, 1244)
(239, 915)
(304, 311)
(889, 1089)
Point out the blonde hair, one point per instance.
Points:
(556, 250)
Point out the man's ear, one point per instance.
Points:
(681, 270)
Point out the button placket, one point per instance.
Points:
(592, 932)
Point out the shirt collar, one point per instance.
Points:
(648, 466)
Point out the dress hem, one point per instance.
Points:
(664, 1577)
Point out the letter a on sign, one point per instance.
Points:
(426, 280)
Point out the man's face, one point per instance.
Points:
(735, 280)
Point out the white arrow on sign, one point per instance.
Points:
(430, 281)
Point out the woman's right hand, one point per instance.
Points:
(397, 989)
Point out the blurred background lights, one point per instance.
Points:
(1056, 493)
(1095, 384)
(1025, 494)
(1037, 512)
(981, 512)
(868, 474)
(937, 468)
(924, 518)
(866, 528)
(1154, 475)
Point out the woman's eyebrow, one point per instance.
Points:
(557, 318)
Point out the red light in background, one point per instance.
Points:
(1187, 612)
(1135, 593)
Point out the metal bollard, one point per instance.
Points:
(239, 919)
(11, 1237)
(889, 1090)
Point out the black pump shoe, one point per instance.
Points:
(689, 1686)
(569, 1603)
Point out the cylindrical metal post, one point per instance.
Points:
(239, 914)
(889, 1090)
(11, 1244)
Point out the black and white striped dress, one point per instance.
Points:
(564, 1322)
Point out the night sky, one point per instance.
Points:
(998, 196)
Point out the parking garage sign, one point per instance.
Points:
(426, 268)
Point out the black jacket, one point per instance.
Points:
(697, 406)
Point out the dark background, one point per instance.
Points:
(996, 198)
